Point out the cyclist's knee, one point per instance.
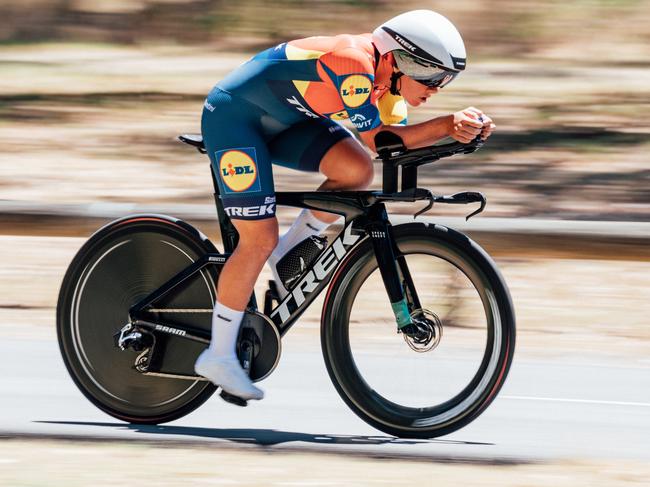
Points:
(348, 165)
(364, 173)
(266, 245)
(257, 238)
(358, 173)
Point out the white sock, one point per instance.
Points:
(305, 226)
(225, 328)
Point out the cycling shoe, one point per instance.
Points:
(228, 374)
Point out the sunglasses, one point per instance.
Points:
(423, 72)
(440, 80)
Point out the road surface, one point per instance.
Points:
(550, 409)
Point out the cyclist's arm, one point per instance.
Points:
(462, 126)
(416, 135)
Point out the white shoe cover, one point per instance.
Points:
(227, 373)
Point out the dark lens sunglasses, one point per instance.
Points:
(439, 80)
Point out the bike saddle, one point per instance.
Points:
(195, 140)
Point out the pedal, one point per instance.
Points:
(232, 399)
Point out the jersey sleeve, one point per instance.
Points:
(351, 72)
(392, 109)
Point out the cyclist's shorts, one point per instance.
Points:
(243, 142)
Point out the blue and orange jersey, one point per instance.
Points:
(330, 77)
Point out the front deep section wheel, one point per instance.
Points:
(117, 267)
(445, 375)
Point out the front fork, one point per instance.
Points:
(393, 268)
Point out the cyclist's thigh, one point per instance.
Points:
(239, 156)
(303, 145)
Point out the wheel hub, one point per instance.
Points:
(425, 331)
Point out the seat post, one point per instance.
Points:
(229, 234)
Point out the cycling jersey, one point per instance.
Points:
(283, 107)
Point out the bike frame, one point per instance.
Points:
(365, 217)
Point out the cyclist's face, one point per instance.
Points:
(415, 93)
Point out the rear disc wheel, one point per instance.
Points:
(120, 265)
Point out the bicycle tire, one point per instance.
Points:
(119, 265)
(474, 398)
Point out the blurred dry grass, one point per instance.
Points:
(92, 94)
(81, 123)
(122, 463)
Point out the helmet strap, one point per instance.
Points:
(393, 82)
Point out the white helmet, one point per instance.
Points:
(422, 42)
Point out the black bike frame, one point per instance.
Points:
(365, 217)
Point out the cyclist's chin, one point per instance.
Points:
(416, 101)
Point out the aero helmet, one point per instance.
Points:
(426, 46)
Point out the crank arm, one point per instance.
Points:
(464, 198)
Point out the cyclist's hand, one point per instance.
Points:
(465, 125)
(488, 124)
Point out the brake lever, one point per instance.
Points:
(483, 201)
(432, 199)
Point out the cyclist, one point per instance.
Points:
(283, 107)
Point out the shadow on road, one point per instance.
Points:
(262, 437)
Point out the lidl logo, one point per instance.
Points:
(355, 90)
(238, 169)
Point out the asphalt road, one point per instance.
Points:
(574, 407)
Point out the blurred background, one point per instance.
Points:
(94, 92)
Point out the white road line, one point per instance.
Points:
(584, 401)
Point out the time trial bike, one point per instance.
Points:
(417, 327)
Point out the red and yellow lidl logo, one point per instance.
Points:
(238, 170)
(355, 90)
